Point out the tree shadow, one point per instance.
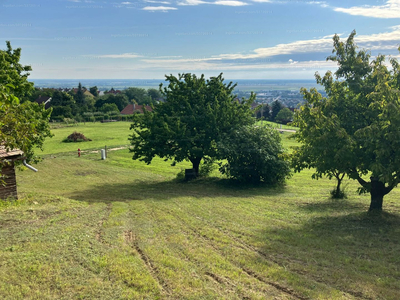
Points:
(164, 190)
(343, 251)
(331, 205)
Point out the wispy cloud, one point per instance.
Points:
(159, 2)
(159, 8)
(260, 57)
(230, 3)
(124, 55)
(192, 2)
(391, 9)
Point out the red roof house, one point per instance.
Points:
(130, 109)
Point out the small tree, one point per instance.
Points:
(109, 107)
(284, 116)
(192, 120)
(254, 154)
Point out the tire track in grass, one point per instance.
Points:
(252, 274)
(131, 239)
(247, 247)
(214, 279)
(219, 280)
(100, 231)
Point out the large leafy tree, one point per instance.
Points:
(355, 129)
(22, 126)
(154, 94)
(120, 100)
(138, 95)
(189, 124)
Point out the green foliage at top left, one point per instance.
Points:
(23, 126)
(12, 72)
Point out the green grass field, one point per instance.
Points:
(120, 229)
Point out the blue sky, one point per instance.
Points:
(146, 39)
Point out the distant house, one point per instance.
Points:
(130, 109)
(112, 91)
(8, 172)
(44, 99)
(89, 94)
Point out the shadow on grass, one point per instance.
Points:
(345, 252)
(330, 204)
(163, 190)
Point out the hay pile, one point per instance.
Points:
(76, 137)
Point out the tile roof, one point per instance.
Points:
(131, 108)
(5, 154)
(44, 99)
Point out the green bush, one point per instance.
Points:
(254, 154)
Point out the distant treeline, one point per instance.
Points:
(90, 104)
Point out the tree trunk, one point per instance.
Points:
(196, 164)
(377, 192)
(339, 181)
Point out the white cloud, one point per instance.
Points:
(391, 9)
(192, 2)
(159, 8)
(239, 61)
(184, 65)
(377, 41)
(230, 3)
(124, 55)
(159, 2)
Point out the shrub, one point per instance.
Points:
(254, 154)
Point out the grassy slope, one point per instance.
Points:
(119, 229)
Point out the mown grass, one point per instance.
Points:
(102, 134)
(121, 229)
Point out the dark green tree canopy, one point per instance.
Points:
(189, 124)
(154, 94)
(120, 100)
(79, 96)
(94, 91)
(138, 95)
(356, 129)
(264, 112)
(276, 107)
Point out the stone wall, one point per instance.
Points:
(10, 188)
